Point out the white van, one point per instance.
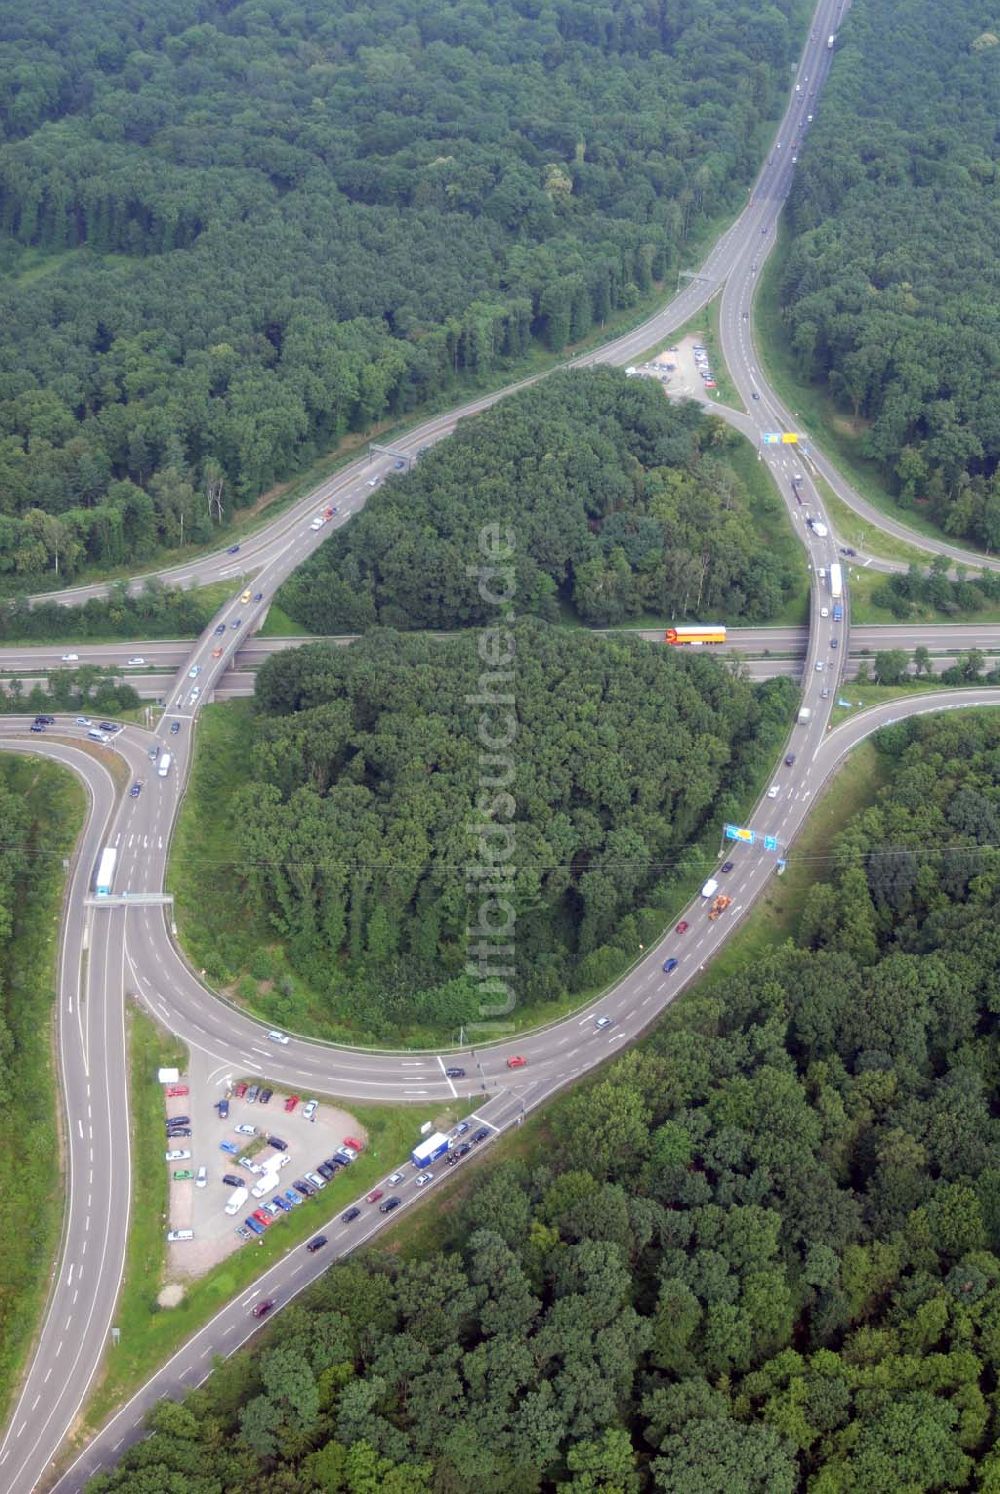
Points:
(173, 1235)
(710, 888)
(267, 1184)
(237, 1199)
(98, 736)
(164, 765)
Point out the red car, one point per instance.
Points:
(291, 1103)
(517, 1062)
(239, 1091)
(262, 1218)
(263, 1308)
(682, 927)
(352, 1141)
(175, 1091)
(375, 1195)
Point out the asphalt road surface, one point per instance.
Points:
(130, 950)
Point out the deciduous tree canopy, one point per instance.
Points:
(890, 288)
(619, 505)
(235, 232)
(760, 1253)
(357, 835)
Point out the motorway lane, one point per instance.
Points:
(635, 1004)
(249, 653)
(142, 830)
(96, 1148)
(352, 485)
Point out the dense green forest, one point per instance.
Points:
(354, 834)
(156, 611)
(890, 289)
(759, 1255)
(620, 505)
(234, 232)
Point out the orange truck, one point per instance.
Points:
(719, 906)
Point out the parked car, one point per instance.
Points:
(253, 1225)
(291, 1103)
(306, 1190)
(178, 1133)
(309, 1109)
(325, 1171)
(252, 1094)
(239, 1090)
(174, 1235)
(281, 1202)
(182, 1174)
(222, 1106)
(230, 1148)
(245, 1129)
(354, 1143)
(264, 1096)
(176, 1091)
(178, 1154)
(277, 1143)
(316, 1243)
(262, 1218)
(232, 1182)
(292, 1197)
(201, 1181)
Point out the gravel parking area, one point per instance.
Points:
(679, 369)
(201, 1207)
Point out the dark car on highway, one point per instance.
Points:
(454, 1073)
(263, 1308)
(388, 1204)
(482, 1134)
(727, 866)
(233, 550)
(349, 1215)
(670, 965)
(175, 727)
(316, 1244)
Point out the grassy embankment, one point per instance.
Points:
(31, 1218)
(151, 1334)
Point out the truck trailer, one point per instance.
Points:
(106, 871)
(428, 1150)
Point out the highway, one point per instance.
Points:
(128, 944)
(732, 265)
(35, 661)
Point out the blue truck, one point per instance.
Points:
(428, 1151)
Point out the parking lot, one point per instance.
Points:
(199, 1204)
(684, 370)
